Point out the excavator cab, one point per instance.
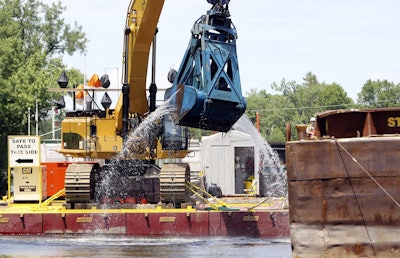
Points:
(174, 137)
(206, 90)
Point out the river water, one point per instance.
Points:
(115, 246)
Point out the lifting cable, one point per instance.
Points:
(352, 188)
(366, 172)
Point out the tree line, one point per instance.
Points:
(298, 102)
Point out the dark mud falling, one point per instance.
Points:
(124, 170)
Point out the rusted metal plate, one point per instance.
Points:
(305, 201)
(337, 208)
(324, 159)
(354, 123)
(337, 201)
(344, 241)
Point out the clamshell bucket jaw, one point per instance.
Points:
(206, 90)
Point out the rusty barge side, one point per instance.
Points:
(344, 186)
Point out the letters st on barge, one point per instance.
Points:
(344, 185)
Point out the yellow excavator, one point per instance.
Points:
(205, 93)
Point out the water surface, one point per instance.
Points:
(116, 246)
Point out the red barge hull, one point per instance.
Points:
(187, 222)
(247, 216)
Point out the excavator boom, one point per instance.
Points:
(140, 28)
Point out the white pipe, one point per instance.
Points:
(37, 118)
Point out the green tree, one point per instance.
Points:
(294, 103)
(333, 96)
(33, 38)
(377, 94)
(300, 96)
(272, 110)
(313, 96)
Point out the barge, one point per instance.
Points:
(344, 185)
(43, 208)
(239, 217)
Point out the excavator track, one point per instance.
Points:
(173, 178)
(79, 182)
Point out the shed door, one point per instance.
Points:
(244, 168)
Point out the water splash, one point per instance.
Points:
(123, 173)
(143, 138)
(273, 177)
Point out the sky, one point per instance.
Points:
(341, 41)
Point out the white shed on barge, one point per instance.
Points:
(229, 160)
